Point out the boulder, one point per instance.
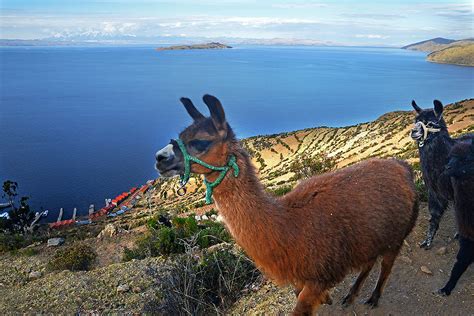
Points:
(54, 242)
(34, 275)
(110, 230)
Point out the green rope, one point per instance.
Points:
(232, 163)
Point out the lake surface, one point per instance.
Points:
(79, 125)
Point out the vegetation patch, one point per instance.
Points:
(77, 257)
(206, 284)
(170, 238)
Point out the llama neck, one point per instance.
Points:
(244, 204)
(434, 156)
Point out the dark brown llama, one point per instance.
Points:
(434, 144)
(313, 236)
(461, 170)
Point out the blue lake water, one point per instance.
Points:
(78, 125)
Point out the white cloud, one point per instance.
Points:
(372, 36)
(299, 5)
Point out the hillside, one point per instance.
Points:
(454, 54)
(446, 51)
(272, 155)
(27, 286)
(429, 45)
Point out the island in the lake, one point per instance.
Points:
(212, 45)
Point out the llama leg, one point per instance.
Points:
(436, 209)
(354, 291)
(310, 297)
(386, 268)
(464, 258)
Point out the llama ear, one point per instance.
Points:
(438, 108)
(192, 111)
(415, 106)
(217, 112)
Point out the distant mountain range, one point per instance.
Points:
(447, 51)
(92, 40)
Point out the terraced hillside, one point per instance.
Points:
(272, 155)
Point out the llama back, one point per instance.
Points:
(359, 213)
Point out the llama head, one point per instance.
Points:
(427, 118)
(461, 160)
(207, 138)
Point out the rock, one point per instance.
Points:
(136, 289)
(441, 251)
(110, 230)
(406, 259)
(205, 218)
(425, 269)
(34, 275)
(123, 288)
(34, 244)
(54, 242)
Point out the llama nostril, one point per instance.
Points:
(161, 158)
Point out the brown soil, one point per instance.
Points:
(409, 291)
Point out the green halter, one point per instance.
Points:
(232, 163)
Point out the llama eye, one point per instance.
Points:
(200, 145)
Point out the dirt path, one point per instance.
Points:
(409, 291)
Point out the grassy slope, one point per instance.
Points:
(457, 54)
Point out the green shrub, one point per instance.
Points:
(281, 190)
(211, 212)
(163, 240)
(29, 252)
(12, 242)
(78, 257)
(306, 166)
(206, 285)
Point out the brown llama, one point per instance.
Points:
(316, 234)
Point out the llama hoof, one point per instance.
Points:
(426, 244)
(444, 292)
(372, 302)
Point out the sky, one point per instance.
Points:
(340, 22)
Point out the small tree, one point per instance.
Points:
(10, 190)
(306, 166)
(20, 217)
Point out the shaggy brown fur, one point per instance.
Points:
(316, 234)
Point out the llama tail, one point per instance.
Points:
(416, 202)
(407, 166)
